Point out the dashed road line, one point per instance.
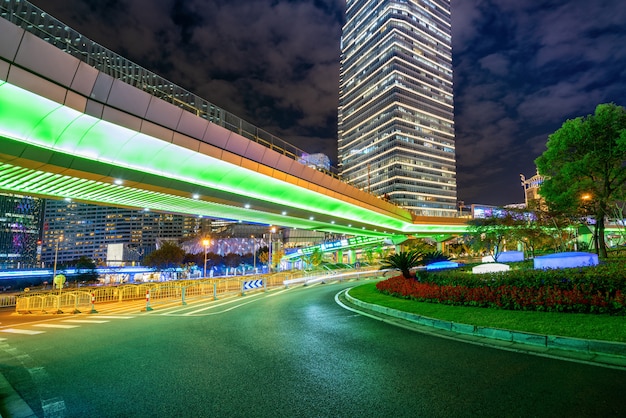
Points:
(85, 321)
(55, 326)
(21, 331)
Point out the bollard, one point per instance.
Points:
(93, 303)
(148, 308)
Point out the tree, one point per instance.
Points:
(586, 157)
(539, 227)
(434, 257)
(169, 256)
(263, 254)
(232, 260)
(403, 261)
(316, 257)
(86, 269)
(494, 230)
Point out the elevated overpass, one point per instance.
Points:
(80, 122)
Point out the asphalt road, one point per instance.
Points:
(290, 353)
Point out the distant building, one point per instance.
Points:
(531, 188)
(316, 161)
(20, 222)
(396, 111)
(80, 229)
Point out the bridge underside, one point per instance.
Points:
(53, 151)
(50, 150)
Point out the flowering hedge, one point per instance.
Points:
(599, 289)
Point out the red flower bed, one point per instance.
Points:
(582, 298)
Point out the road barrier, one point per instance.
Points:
(167, 292)
(6, 301)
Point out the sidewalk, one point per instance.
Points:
(600, 353)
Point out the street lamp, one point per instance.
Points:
(253, 253)
(58, 280)
(272, 231)
(56, 253)
(206, 244)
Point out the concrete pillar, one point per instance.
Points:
(339, 255)
(352, 257)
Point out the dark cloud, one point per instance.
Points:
(522, 67)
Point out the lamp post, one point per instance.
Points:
(60, 280)
(206, 244)
(56, 253)
(253, 253)
(272, 231)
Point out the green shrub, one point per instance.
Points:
(598, 289)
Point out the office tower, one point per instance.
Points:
(80, 229)
(20, 221)
(396, 127)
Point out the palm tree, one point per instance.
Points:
(403, 261)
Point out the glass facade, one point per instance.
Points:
(82, 229)
(396, 127)
(20, 218)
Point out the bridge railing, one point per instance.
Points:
(36, 21)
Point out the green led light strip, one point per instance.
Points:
(30, 119)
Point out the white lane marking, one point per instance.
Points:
(55, 326)
(112, 317)
(85, 321)
(215, 304)
(21, 331)
(221, 304)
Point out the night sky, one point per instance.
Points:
(521, 68)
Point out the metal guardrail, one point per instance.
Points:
(52, 301)
(7, 301)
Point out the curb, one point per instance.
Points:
(605, 353)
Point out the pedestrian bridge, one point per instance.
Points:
(80, 122)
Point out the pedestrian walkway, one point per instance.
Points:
(600, 353)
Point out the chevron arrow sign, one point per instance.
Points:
(252, 284)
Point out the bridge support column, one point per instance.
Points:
(441, 247)
(352, 257)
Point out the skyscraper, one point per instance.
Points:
(72, 230)
(396, 127)
(20, 219)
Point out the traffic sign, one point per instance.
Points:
(252, 284)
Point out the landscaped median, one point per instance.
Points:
(599, 338)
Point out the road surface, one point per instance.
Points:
(285, 353)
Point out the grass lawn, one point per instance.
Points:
(587, 326)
